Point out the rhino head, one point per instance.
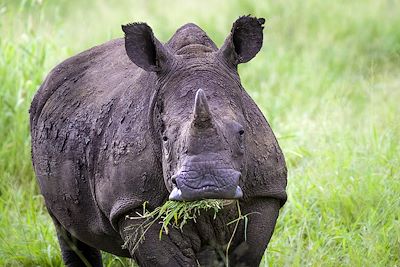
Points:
(196, 113)
(210, 155)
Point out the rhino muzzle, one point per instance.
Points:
(212, 184)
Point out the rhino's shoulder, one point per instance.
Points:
(266, 167)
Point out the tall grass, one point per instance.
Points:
(327, 80)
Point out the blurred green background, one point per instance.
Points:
(327, 80)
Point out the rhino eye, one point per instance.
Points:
(165, 138)
(241, 132)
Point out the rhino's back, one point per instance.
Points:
(75, 113)
(91, 77)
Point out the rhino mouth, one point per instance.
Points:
(215, 183)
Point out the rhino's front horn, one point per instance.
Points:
(202, 115)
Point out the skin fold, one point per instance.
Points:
(135, 120)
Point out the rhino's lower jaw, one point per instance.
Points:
(177, 195)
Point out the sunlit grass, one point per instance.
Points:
(327, 79)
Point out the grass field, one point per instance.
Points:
(327, 79)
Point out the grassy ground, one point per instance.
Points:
(327, 80)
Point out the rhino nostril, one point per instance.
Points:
(237, 176)
(173, 179)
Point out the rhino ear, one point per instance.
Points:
(244, 41)
(144, 49)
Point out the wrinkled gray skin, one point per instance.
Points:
(134, 120)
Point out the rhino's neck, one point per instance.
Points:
(190, 35)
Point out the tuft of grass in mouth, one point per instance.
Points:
(176, 214)
(172, 214)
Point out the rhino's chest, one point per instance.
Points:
(217, 229)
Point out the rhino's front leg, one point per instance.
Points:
(263, 213)
(173, 249)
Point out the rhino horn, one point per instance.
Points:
(201, 111)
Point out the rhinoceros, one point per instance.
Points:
(134, 120)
